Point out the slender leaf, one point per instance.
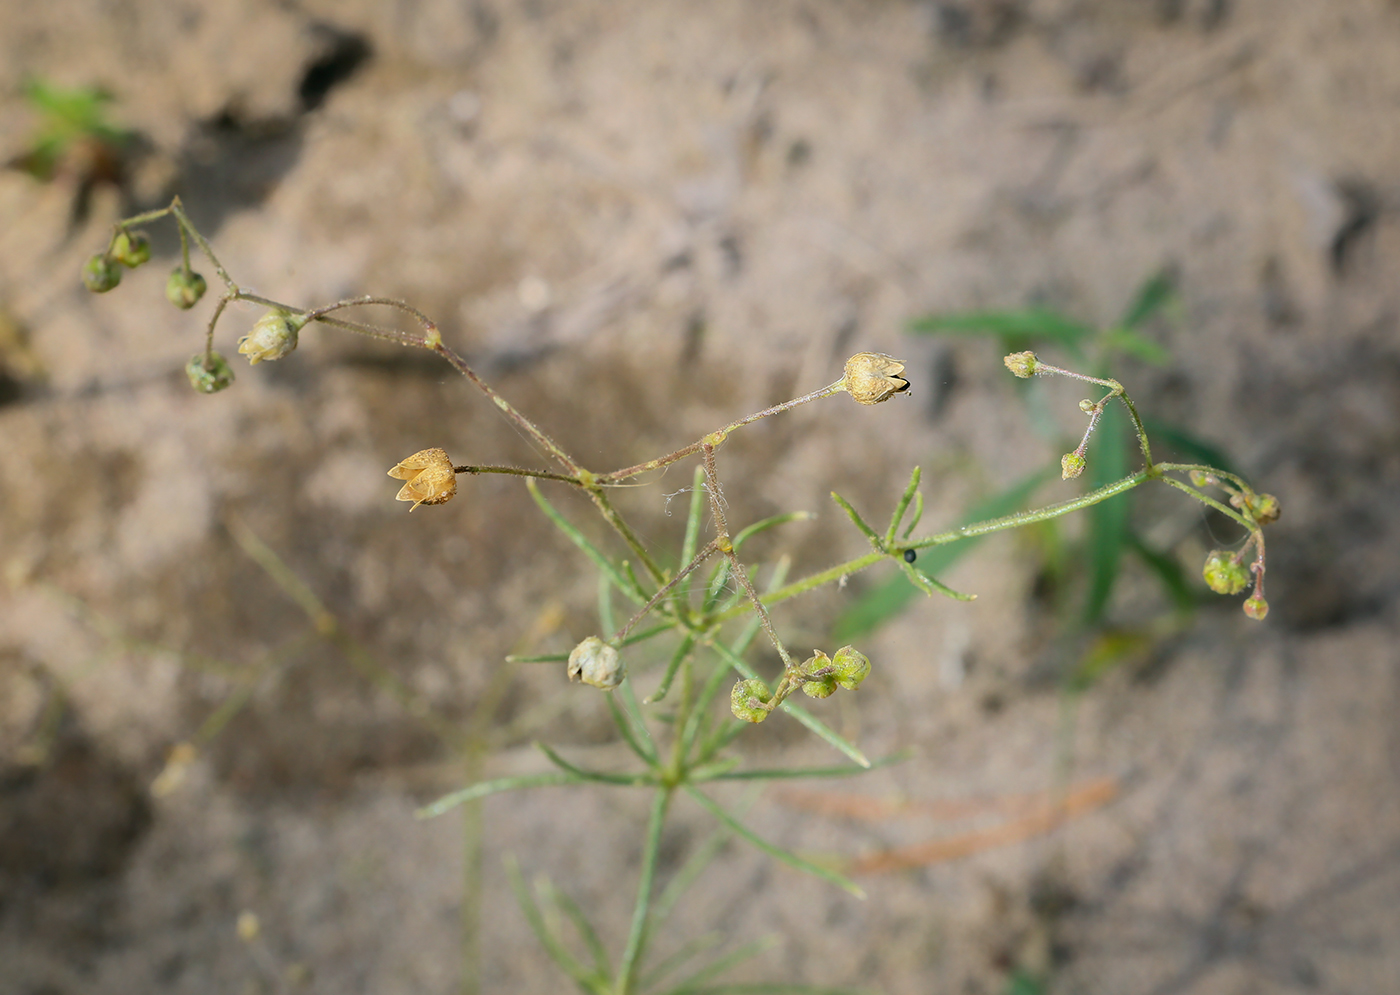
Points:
(886, 600)
(931, 585)
(638, 739)
(1151, 297)
(690, 872)
(859, 522)
(1168, 572)
(582, 774)
(1108, 520)
(632, 590)
(909, 491)
(748, 532)
(605, 605)
(552, 944)
(636, 637)
(483, 788)
(673, 963)
(1041, 324)
(916, 517)
(777, 852)
(806, 772)
(677, 658)
(695, 516)
(1126, 340)
(628, 695)
(601, 964)
(714, 969)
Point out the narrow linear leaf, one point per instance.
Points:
(674, 962)
(776, 852)
(887, 599)
(903, 505)
(577, 538)
(1108, 521)
(730, 960)
(811, 772)
(1168, 572)
(1030, 323)
(931, 585)
(602, 966)
(636, 637)
(1152, 296)
(855, 517)
(1126, 340)
(641, 744)
(695, 516)
(748, 532)
(483, 788)
(569, 964)
(632, 780)
(677, 658)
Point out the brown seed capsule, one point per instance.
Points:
(429, 478)
(872, 377)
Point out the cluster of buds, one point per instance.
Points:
(819, 676)
(1226, 573)
(103, 271)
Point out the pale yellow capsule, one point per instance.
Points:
(429, 478)
(872, 377)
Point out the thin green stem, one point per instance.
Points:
(637, 937)
(518, 471)
(710, 548)
(178, 209)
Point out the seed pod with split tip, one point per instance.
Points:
(872, 377)
(595, 662)
(851, 666)
(185, 289)
(1256, 608)
(820, 676)
(428, 476)
(1022, 364)
(272, 337)
(131, 248)
(1224, 574)
(1072, 465)
(210, 378)
(747, 699)
(101, 274)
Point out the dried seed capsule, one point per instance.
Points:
(747, 699)
(1072, 465)
(428, 478)
(595, 662)
(851, 666)
(208, 379)
(101, 274)
(872, 377)
(131, 248)
(1223, 573)
(1022, 364)
(272, 337)
(185, 289)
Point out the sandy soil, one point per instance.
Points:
(640, 219)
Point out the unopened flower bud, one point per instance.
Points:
(428, 476)
(1256, 608)
(851, 666)
(131, 249)
(1022, 364)
(1224, 574)
(272, 337)
(1199, 478)
(101, 274)
(595, 662)
(185, 289)
(1071, 465)
(872, 377)
(208, 378)
(1264, 507)
(747, 699)
(1087, 406)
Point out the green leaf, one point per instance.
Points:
(677, 658)
(777, 852)
(886, 600)
(570, 965)
(631, 780)
(694, 517)
(1035, 324)
(768, 523)
(483, 788)
(601, 965)
(909, 491)
(1183, 442)
(810, 772)
(729, 960)
(631, 589)
(855, 517)
(1108, 520)
(1134, 344)
(1168, 572)
(1151, 297)
(631, 725)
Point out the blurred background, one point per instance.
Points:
(640, 220)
